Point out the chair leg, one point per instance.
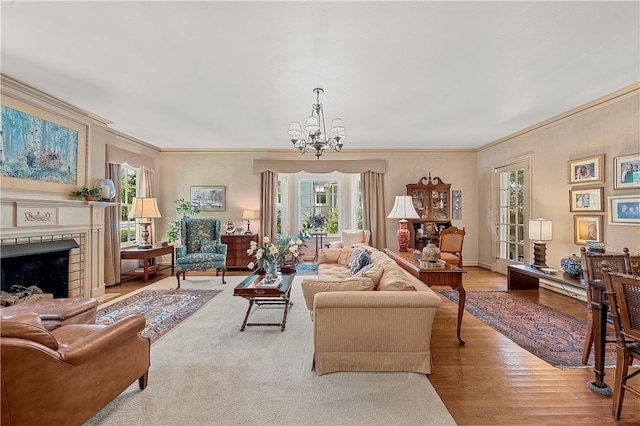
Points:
(622, 369)
(588, 341)
(178, 278)
(143, 380)
(223, 271)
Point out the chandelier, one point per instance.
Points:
(317, 134)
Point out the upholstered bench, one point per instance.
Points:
(57, 312)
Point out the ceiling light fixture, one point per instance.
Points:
(317, 133)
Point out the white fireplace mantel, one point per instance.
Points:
(24, 220)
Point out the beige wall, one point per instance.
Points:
(608, 126)
(180, 170)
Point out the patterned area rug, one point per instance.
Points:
(551, 335)
(306, 267)
(163, 309)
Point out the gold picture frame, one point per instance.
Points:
(38, 161)
(587, 228)
(586, 170)
(586, 200)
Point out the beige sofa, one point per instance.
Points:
(376, 320)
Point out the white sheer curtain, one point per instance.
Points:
(144, 188)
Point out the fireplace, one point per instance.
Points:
(42, 264)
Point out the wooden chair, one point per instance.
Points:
(624, 301)
(451, 240)
(592, 274)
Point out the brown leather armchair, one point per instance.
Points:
(65, 376)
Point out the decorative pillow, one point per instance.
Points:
(357, 251)
(351, 237)
(28, 326)
(345, 256)
(393, 279)
(209, 246)
(312, 286)
(361, 260)
(196, 245)
(329, 255)
(373, 271)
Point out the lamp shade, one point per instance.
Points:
(294, 129)
(403, 208)
(312, 124)
(540, 229)
(248, 215)
(144, 208)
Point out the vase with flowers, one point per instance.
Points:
(270, 255)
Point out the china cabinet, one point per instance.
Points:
(432, 201)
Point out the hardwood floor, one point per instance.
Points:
(493, 381)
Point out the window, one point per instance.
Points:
(129, 182)
(336, 196)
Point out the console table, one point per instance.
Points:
(450, 275)
(527, 277)
(145, 255)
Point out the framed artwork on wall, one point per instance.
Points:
(40, 150)
(586, 200)
(586, 170)
(209, 197)
(627, 171)
(587, 228)
(624, 210)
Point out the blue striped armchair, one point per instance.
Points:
(201, 248)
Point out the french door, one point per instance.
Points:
(511, 203)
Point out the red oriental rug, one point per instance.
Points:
(162, 309)
(554, 336)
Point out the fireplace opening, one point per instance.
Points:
(42, 264)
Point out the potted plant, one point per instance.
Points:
(89, 194)
(316, 222)
(184, 209)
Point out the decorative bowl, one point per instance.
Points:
(596, 245)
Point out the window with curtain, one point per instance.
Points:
(337, 196)
(129, 181)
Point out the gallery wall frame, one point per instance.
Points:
(624, 210)
(212, 198)
(626, 171)
(587, 228)
(588, 170)
(40, 150)
(586, 200)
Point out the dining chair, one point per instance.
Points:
(623, 291)
(593, 277)
(451, 240)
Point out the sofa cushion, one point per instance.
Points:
(373, 271)
(312, 286)
(393, 279)
(351, 237)
(361, 260)
(28, 326)
(329, 255)
(345, 256)
(209, 246)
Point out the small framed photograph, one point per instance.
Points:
(586, 170)
(624, 210)
(627, 171)
(587, 228)
(209, 197)
(586, 200)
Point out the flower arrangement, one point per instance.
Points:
(273, 252)
(316, 222)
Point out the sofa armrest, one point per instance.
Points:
(101, 340)
(181, 251)
(335, 244)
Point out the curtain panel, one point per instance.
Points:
(268, 203)
(373, 207)
(112, 229)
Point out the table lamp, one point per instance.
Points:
(540, 230)
(403, 209)
(248, 215)
(144, 209)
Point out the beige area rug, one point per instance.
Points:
(207, 372)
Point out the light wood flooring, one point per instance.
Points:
(493, 381)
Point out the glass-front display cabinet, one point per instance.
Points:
(432, 200)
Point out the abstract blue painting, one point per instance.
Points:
(36, 149)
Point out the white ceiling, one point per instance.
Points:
(226, 75)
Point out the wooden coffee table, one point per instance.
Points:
(257, 295)
(450, 275)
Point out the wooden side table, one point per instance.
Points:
(145, 255)
(318, 236)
